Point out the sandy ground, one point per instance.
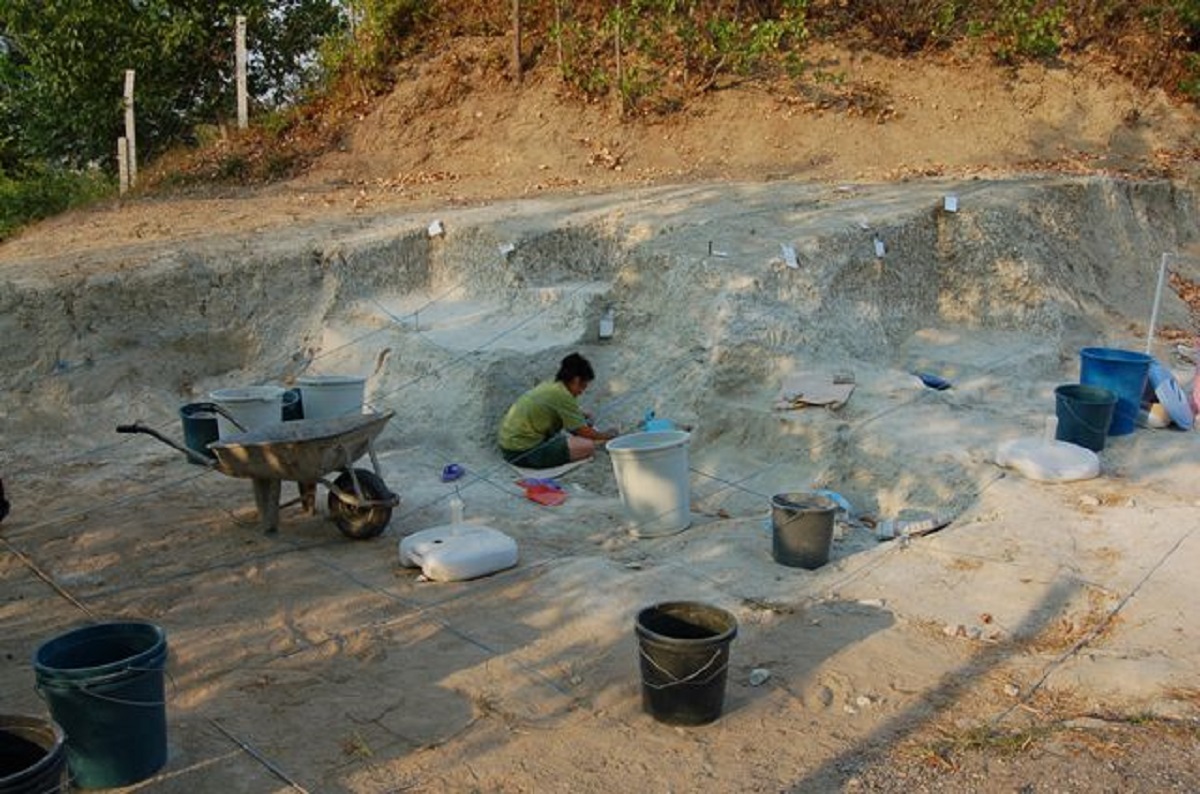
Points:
(1043, 640)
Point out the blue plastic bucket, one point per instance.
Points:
(1124, 373)
(103, 684)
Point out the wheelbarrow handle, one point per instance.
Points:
(192, 454)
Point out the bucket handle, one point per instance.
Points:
(1075, 415)
(83, 687)
(688, 679)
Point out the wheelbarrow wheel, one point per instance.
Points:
(360, 523)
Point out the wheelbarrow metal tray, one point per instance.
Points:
(303, 450)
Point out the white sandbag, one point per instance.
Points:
(1049, 461)
(454, 552)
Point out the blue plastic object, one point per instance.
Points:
(1124, 373)
(452, 472)
(1168, 392)
(652, 424)
(933, 381)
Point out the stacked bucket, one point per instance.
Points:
(1107, 399)
(103, 685)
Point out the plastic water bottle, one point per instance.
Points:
(456, 511)
(607, 324)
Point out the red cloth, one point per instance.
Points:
(544, 492)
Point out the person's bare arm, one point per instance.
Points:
(587, 431)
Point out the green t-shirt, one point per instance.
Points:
(538, 414)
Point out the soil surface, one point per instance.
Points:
(464, 237)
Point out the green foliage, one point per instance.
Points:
(64, 78)
(375, 38)
(41, 192)
(673, 48)
(1189, 84)
(1029, 28)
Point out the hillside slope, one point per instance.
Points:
(454, 130)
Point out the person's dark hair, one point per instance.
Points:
(575, 366)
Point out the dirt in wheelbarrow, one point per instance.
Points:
(1042, 641)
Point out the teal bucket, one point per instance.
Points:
(199, 427)
(1124, 373)
(1084, 414)
(104, 685)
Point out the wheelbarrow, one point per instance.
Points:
(305, 451)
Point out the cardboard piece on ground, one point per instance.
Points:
(550, 474)
(813, 388)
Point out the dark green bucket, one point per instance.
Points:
(199, 427)
(32, 756)
(1085, 414)
(104, 686)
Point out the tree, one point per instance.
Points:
(62, 76)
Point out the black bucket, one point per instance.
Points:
(199, 427)
(293, 405)
(684, 648)
(1085, 414)
(32, 756)
(802, 529)
(104, 686)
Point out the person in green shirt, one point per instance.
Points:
(545, 427)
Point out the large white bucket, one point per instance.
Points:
(326, 396)
(652, 474)
(252, 406)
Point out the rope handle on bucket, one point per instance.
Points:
(84, 687)
(688, 679)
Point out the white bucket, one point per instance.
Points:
(652, 474)
(326, 396)
(251, 406)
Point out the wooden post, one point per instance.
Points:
(558, 24)
(130, 134)
(620, 84)
(240, 65)
(123, 164)
(516, 56)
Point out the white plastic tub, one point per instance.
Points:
(653, 476)
(326, 396)
(251, 406)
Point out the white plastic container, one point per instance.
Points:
(326, 396)
(653, 476)
(251, 406)
(459, 552)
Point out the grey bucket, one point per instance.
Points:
(33, 756)
(802, 529)
(104, 686)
